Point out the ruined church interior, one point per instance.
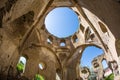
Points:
(28, 51)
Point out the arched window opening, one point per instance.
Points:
(75, 39)
(89, 54)
(85, 72)
(103, 28)
(42, 66)
(106, 69)
(87, 34)
(104, 63)
(96, 65)
(105, 31)
(62, 43)
(50, 40)
(58, 74)
(21, 65)
(82, 28)
(92, 36)
(57, 77)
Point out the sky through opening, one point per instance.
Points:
(62, 22)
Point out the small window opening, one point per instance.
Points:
(21, 65)
(57, 77)
(103, 28)
(82, 28)
(84, 71)
(88, 34)
(41, 66)
(96, 65)
(92, 36)
(50, 40)
(104, 63)
(75, 39)
(62, 43)
(106, 69)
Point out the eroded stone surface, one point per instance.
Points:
(23, 33)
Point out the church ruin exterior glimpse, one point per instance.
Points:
(23, 34)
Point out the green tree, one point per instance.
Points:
(110, 77)
(39, 77)
(20, 66)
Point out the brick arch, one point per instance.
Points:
(76, 51)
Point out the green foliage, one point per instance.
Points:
(20, 67)
(110, 77)
(38, 77)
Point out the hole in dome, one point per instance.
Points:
(62, 22)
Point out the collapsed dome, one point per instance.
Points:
(62, 22)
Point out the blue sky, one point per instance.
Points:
(23, 59)
(89, 54)
(63, 22)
